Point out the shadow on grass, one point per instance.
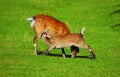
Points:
(115, 12)
(116, 27)
(60, 55)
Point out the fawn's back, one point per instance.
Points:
(67, 40)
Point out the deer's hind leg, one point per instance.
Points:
(35, 39)
(89, 49)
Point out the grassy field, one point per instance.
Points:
(101, 19)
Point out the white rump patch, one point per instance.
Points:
(32, 21)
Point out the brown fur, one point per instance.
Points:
(66, 41)
(54, 26)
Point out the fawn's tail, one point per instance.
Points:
(82, 30)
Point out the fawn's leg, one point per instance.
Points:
(89, 49)
(63, 53)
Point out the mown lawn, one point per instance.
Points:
(101, 19)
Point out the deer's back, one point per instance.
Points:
(54, 26)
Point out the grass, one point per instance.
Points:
(100, 17)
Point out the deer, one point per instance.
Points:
(40, 23)
(72, 39)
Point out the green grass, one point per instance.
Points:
(100, 17)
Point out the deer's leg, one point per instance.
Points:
(63, 53)
(89, 49)
(91, 52)
(38, 31)
(35, 42)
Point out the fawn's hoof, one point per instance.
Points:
(93, 56)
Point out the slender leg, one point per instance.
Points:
(35, 49)
(89, 49)
(38, 31)
(63, 53)
(35, 46)
(92, 53)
